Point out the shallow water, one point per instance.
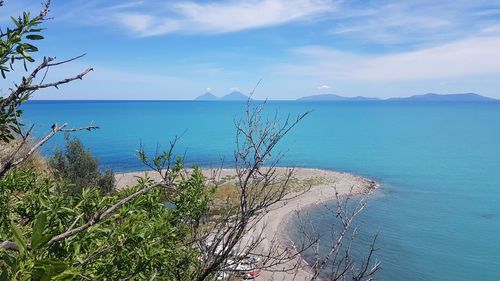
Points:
(437, 212)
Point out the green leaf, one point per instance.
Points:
(8, 266)
(26, 17)
(37, 238)
(68, 274)
(47, 269)
(18, 238)
(31, 47)
(34, 37)
(14, 20)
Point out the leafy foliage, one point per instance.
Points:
(141, 238)
(72, 225)
(144, 238)
(79, 168)
(16, 44)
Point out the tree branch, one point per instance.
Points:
(27, 88)
(57, 83)
(9, 246)
(15, 161)
(104, 215)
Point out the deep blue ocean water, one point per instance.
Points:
(438, 209)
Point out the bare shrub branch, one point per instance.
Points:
(337, 262)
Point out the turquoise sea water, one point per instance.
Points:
(438, 210)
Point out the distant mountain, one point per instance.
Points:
(207, 96)
(332, 97)
(467, 97)
(234, 96)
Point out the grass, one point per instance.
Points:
(227, 192)
(36, 161)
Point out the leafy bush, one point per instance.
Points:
(142, 239)
(78, 167)
(94, 234)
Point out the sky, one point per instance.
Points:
(179, 49)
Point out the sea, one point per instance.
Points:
(437, 212)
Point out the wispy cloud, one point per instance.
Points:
(469, 57)
(384, 22)
(412, 22)
(156, 18)
(348, 44)
(323, 87)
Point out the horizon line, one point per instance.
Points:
(348, 98)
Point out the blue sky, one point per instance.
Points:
(173, 49)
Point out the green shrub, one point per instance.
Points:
(77, 167)
(141, 239)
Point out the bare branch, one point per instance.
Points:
(27, 88)
(57, 83)
(260, 187)
(9, 246)
(66, 61)
(16, 160)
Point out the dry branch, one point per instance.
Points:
(15, 160)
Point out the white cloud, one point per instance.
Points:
(393, 29)
(209, 90)
(413, 22)
(234, 89)
(495, 29)
(323, 87)
(144, 24)
(394, 23)
(469, 57)
(125, 5)
(214, 17)
(410, 22)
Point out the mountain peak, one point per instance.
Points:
(463, 97)
(207, 96)
(235, 96)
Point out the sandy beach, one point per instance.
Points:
(322, 187)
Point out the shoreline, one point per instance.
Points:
(274, 225)
(323, 184)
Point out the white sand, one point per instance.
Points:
(324, 184)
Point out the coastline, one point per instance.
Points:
(323, 185)
(274, 224)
